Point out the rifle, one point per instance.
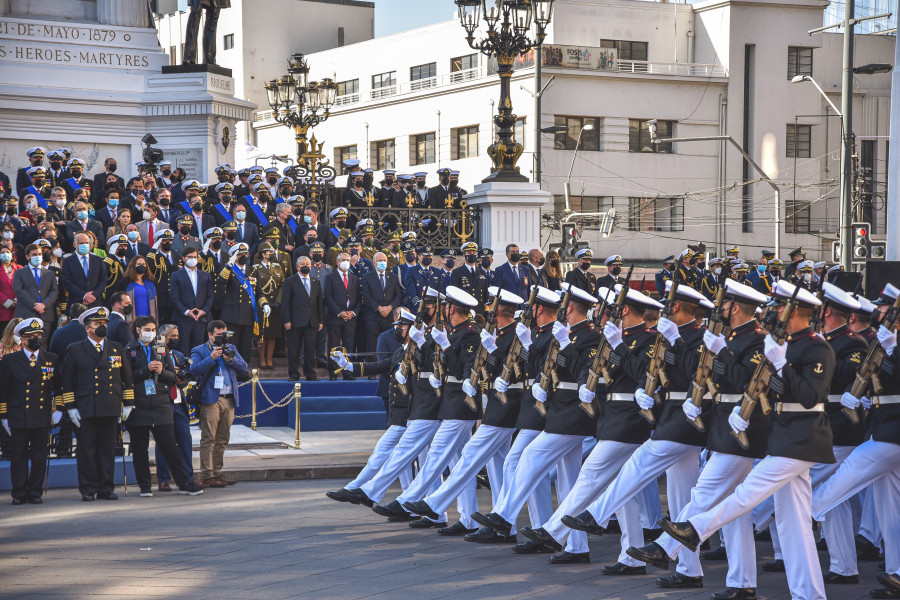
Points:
(872, 364)
(703, 379)
(438, 365)
(819, 314)
(408, 362)
(656, 372)
(548, 374)
(758, 389)
(511, 365)
(599, 366)
(479, 372)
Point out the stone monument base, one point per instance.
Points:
(201, 68)
(510, 213)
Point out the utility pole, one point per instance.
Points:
(846, 134)
(538, 59)
(893, 199)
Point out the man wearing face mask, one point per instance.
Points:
(83, 223)
(485, 262)
(271, 175)
(613, 270)
(221, 203)
(303, 249)
(422, 276)
(388, 195)
(470, 278)
(408, 249)
(135, 247)
(56, 206)
(39, 186)
(319, 270)
(223, 175)
(285, 187)
(185, 237)
(191, 292)
(84, 274)
(162, 262)
(200, 221)
(448, 263)
(354, 195)
(581, 276)
(36, 290)
(116, 263)
(381, 295)
(109, 168)
(247, 232)
(764, 280)
(803, 275)
(75, 180)
(56, 172)
(212, 259)
(310, 220)
(97, 390)
(797, 257)
(302, 308)
(367, 236)
(392, 251)
(239, 310)
(440, 196)
(35, 159)
(280, 224)
(342, 301)
(119, 326)
(164, 180)
(666, 274)
(168, 213)
(359, 264)
(109, 213)
(419, 191)
(263, 209)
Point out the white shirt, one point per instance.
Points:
(31, 356)
(192, 275)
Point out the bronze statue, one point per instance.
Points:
(209, 31)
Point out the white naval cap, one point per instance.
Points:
(576, 293)
(98, 313)
(405, 318)
(547, 297)
(284, 180)
(866, 306)
(256, 169)
(272, 170)
(741, 292)
(806, 264)
(351, 162)
(637, 299)
(605, 292)
(614, 259)
(505, 296)
(213, 232)
(241, 248)
(358, 174)
(460, 297)
(819, 265)
(843, 301)
(27, 326)
(224, 185)
(584, 252)
(35, 150)
(420, 174)
(785, 290)
(432, 293)
(888, 295)
(688, 294)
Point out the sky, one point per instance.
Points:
(392, 16)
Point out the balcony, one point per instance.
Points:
(423, 84)
(467, 75)
(383, 92)
(346, 99)
(672, 69)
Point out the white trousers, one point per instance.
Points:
(416, 438)
(446, 446)
(598, 470)
(788, 480)
(681, 462)
(386, 443)
(538, 458)
(868, 522)
(540, 503)
(721, 474)
(651, 508)
(488, 446)
(878, 464)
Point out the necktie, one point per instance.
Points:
(114, 215)
(99, 347)
(150, 233)
(241, 230)
(346, 284)
(382, 282)
(84, 262)
(306, 284)
(37, 277)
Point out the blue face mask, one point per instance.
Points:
(239, 215)
(761, 268)
(35, 261)
(81, 215)
(354, 251)
(83, 249)
(426, 261)
(114, 202)
(449, 263)
(410, 257)
(307, 219)
(381, 265)
(133, 236)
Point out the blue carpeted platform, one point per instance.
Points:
(324, 405)
(63, 474)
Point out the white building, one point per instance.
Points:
(422, 98)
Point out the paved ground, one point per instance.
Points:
(274, 540)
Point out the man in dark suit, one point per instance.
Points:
(342, 300)
(311, 221)
(71, 332)
(191, 292)
(119, 329)
(581, 276)
(247, 232)
(238, 309)
(36, 290)
(385, 347)
(201, 220)
(136, 245)
(162, 261)
(439, 195)
(84, 274)
(512, 276)
(302, 306)
(381, 295)
(168, 212)
(109, 213)
(280, 223)
(35, 159)
(83, 222)
(99, 185)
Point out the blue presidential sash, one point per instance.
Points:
(40, 199)
(71, 181)
(187, 207)
(335, 231)
(223, 212)
(292, 222)
(250, 199)
(245, 283)
(263, 219)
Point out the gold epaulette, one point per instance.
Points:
(68, 398)
(225, 273)
(128, 394)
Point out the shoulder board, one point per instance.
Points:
(108, 260)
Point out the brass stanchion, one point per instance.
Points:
(254, 379)
(296, 416)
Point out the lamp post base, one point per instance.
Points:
(505, 175)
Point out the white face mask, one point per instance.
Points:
(344, 265)
(191, 262)
(7, 235)
(148, 336)
(57, 252)
(807, 277)
(16, 340)
(59, 203)
(717, 271)
(146, 215)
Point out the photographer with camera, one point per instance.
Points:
(218, 368)
(180, 417)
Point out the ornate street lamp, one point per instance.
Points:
(509, 23)
(300, 104)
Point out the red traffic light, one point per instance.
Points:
(861, 231)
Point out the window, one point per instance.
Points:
(800, 61)
(656, 214)
(348, 87)
(345, 153)
(639, 136)
(384, 84)
(797, 217)
(465, 142)
(422, 71)
(590, 138)
(797, 141)
(384, 155)
(464, 63)
(591, 204)
(627, 50)
(228, 41)
(340, 37)
(519, 130)
(424, 148)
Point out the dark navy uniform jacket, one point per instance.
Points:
(849, 351)
(495, 412)
(458, 359)
(564, 412)
(532, 365)
(621, 420)
(30, 392)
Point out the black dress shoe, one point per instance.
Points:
(652, 554)
(332, 377)
(400, 518)
(774, 566)
(613, 527)
(87, 497)
(570, 558)
(884, 593)
(651, 535)
(424, 523)
(866, 550)
(620, 569)
(583, 522)
(889, 580)
(18, 501)
(340, 495)
(293, 378)
(532, 547)
(392, 509)
(677, 580)
(717, 553)
(494, 521)
(763, 536)
(541, 536)
(822, 545)
(683, 533)
(420, 507)
(312, 377)
(486, 535)
(358, 496)
(108, 496)
(735, 594)
(35, 500)
(457, 529)
(830, 577)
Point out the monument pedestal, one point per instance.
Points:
(510, 214)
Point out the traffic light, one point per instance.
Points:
(877, 250)
(569, 240)
(861, 242)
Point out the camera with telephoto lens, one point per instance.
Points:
(152, 156)
(227, 350)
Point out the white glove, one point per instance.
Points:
(488, 340)
(776, 353)
(850, 401)
(736, 421)
(399, 377)
(585, 395)
(434, 381)
(500, 385)
(714, 343)
(668, 329)
(75, 417)
(55, 417)
(469, 389)
(561, 333)
(613, 334)
(538, 392)
(5, 423)
(691, 410)
(126, 412)
(417, 335)
(440, 338)
(867, 404)
(340, 359)
(232, 260)
(887, 339)
(523, 332)
(267, 310)
(643, 399)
